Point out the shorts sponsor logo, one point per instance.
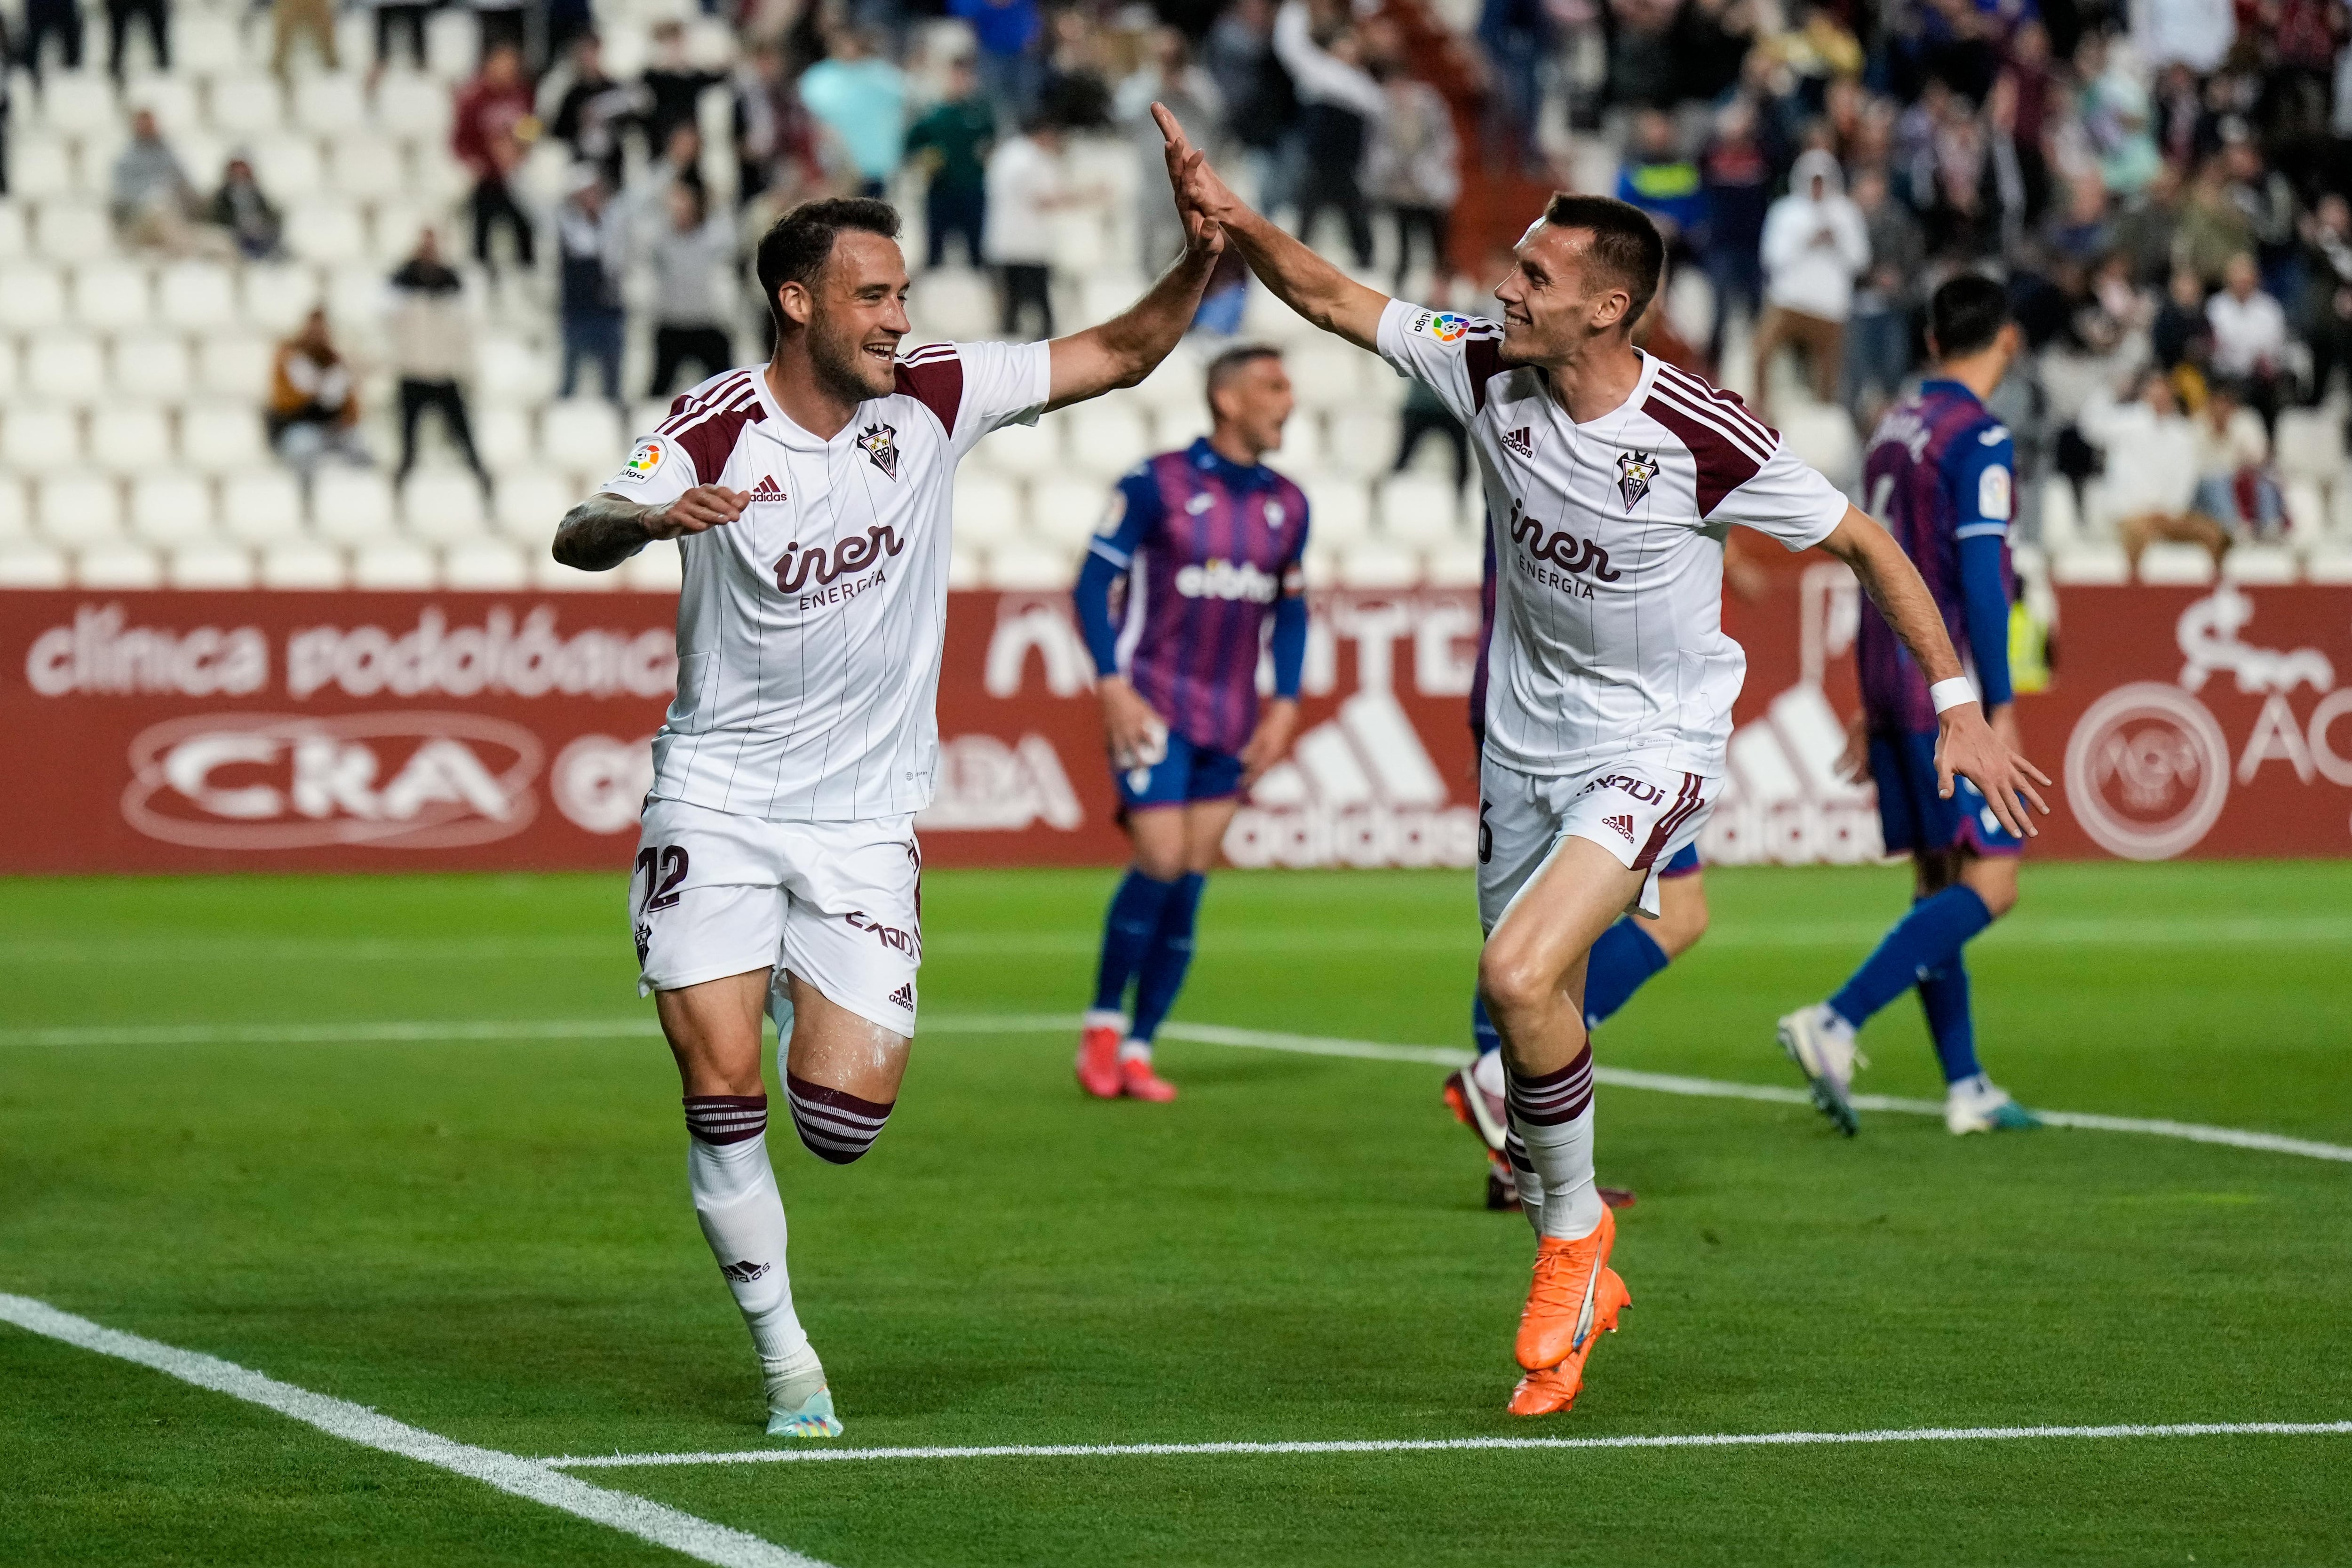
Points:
(1635, 472)
(880, 443)
(395, 781)
(642, 462)
(1622, 824)
(2148, 771)
(1640, 788)
(1228, 580)
(892, 937)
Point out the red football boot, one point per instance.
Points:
(1141, 1083)
(1098, 1055)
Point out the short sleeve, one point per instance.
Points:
(1454, 356)
(974, 388)
(1786, 499)
(658, 471)
(1134, 508)
(1983, 476)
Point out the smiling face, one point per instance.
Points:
(853, 313)
(1554, 299)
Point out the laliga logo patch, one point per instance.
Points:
(1635, 472)
(1445, 326)
(643, 462)
(880, 442)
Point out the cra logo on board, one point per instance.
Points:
(394, 781)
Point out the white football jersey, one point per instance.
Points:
(1608, 543)
(809, 630)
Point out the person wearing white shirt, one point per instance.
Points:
(1815, 243)
(2152, 454)
(2234, 486)
(1027, 181)
(1339, 102)
(2248, 335)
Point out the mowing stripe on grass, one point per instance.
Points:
(682, 1532)
(429, 1030)
(1441, 1445)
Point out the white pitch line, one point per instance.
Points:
(1441, 1445)
(428, 1030)
(681, 1533)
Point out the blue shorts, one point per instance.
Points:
(1684, 863)
(1186, 774)
(1914, 819)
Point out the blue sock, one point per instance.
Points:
(1922, 941)
(1126, 935)
(1170, 955)
(1943, 997)
(1624, 957)
(1483, 1033)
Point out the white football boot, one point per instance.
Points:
(1821, 1045)
(799, 1402)
(1980, 1105)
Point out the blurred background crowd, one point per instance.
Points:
(306, 295)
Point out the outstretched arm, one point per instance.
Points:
(605, 530)
(1299, 278)
(1966, 744)
(1128, 347)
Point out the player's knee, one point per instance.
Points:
(834, 1124)
(1512, 981)
(1999, 893)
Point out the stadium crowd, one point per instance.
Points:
(533, 220)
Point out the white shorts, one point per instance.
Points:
(1640, 812)
(837, 903)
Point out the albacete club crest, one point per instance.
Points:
(1635, 472)
(880, 442)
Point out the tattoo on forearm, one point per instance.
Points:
(600, 533)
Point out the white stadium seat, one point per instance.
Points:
(351, 506)
(224, 439)
(288, 166)
(172, 100)
(32, 297)
(453, 41)
(151, 367)
(2258, 563)
(1456, 565)
(117, 564)
(15, 516)
(303, 564)
(1370, 563)
(327, 105)
(68, 369)
(582, 434)
(1418, 510)
(1176, 384)
(29, 563)
(70, 231)
(10, 369)
(41, 166)
(247, 105)
(368, 167)
(205, 43)
(1363, 442)
(112, 296)
(236, 365)
(546, 572)
(2176, 564)
(35, 440)
(1063, 511)
(326, 231)
(530, 503)
(1178, 424)
(443, 506)
(412, 106)
(277, 296)
(261, 508)
(1327, 373)
(209, 564)
(173, 508)
(78, 102)
(657, 568)
(502, 438)
(71, 507)
(987, 508)
(130, 439)
(2091, 563)
(483, 564)
(967, 569)
(1107, 439)
(14, 237)
(196, 297)
(1303, 446)
(1023, 567)
(2310, 445)
(1023, 449)
(1339, 510)
(394, 564)
(509, 370)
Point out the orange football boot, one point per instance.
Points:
(1141, 1083)
(1553, 1390)
(1567, 1301)
(1098, 1058)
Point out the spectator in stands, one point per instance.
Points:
(1006, 32)
(952, 140)
(2267, 199)
(1815, 242)
(500, 24)
(7, 89)
(2213, 228)
(2151, 459)
(46, 19)
(1338, 103)
(593, 110)
(2079, 232)
(2327, 288)
(1425, 415)
(149, 196)
(786, 155)
(432, 343)
(1738, 177)
(693, 259)
(485, 134)
(2249, 336)
(673, 87)
(2180, 332)
(1027, 184)
(1659, 179)
(680, 164)
(2234, 485)
(157, 16)
(1168, 75)
(313, 19)
(591, 250)
(1415, 168)
(862, 99)
(400, 17)
(2145, 229)
(314, 406)
(1878, 329)
(245, 213)
(1261, 106)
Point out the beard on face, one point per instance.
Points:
(840, 361)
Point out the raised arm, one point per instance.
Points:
(1965, 743)
(1299, 278)
(1130, 345)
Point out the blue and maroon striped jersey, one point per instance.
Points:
(1209, 548)
(1940, 471)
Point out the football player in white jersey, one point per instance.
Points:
(1611, 480)
(777, 869)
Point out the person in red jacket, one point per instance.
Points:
(493, 126)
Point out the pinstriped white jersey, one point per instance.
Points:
(809, 630)
(1608, 540)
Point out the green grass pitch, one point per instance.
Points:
(489, 1239)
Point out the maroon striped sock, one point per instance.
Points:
(726, 1118)
(1547, 1098)
(834, 1125)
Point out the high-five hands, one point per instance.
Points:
(1201, 196)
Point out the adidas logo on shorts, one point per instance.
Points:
(904, 996)
(1623, 825)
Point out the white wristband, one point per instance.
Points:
(1951, 693)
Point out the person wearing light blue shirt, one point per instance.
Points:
(862, 99)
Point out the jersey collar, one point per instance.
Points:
(781, 426)
(1634, 399)
(1944, 384)
(1209, 460)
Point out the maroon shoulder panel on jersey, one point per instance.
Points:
(933, 377)
(707, 439)
(1482, 357)
(1723, 465)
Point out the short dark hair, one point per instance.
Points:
(1966, 314)
(1625, 242)
(1231, 362)
(797, 247)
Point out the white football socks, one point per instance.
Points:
(742, 1217)
(1551, 1115)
